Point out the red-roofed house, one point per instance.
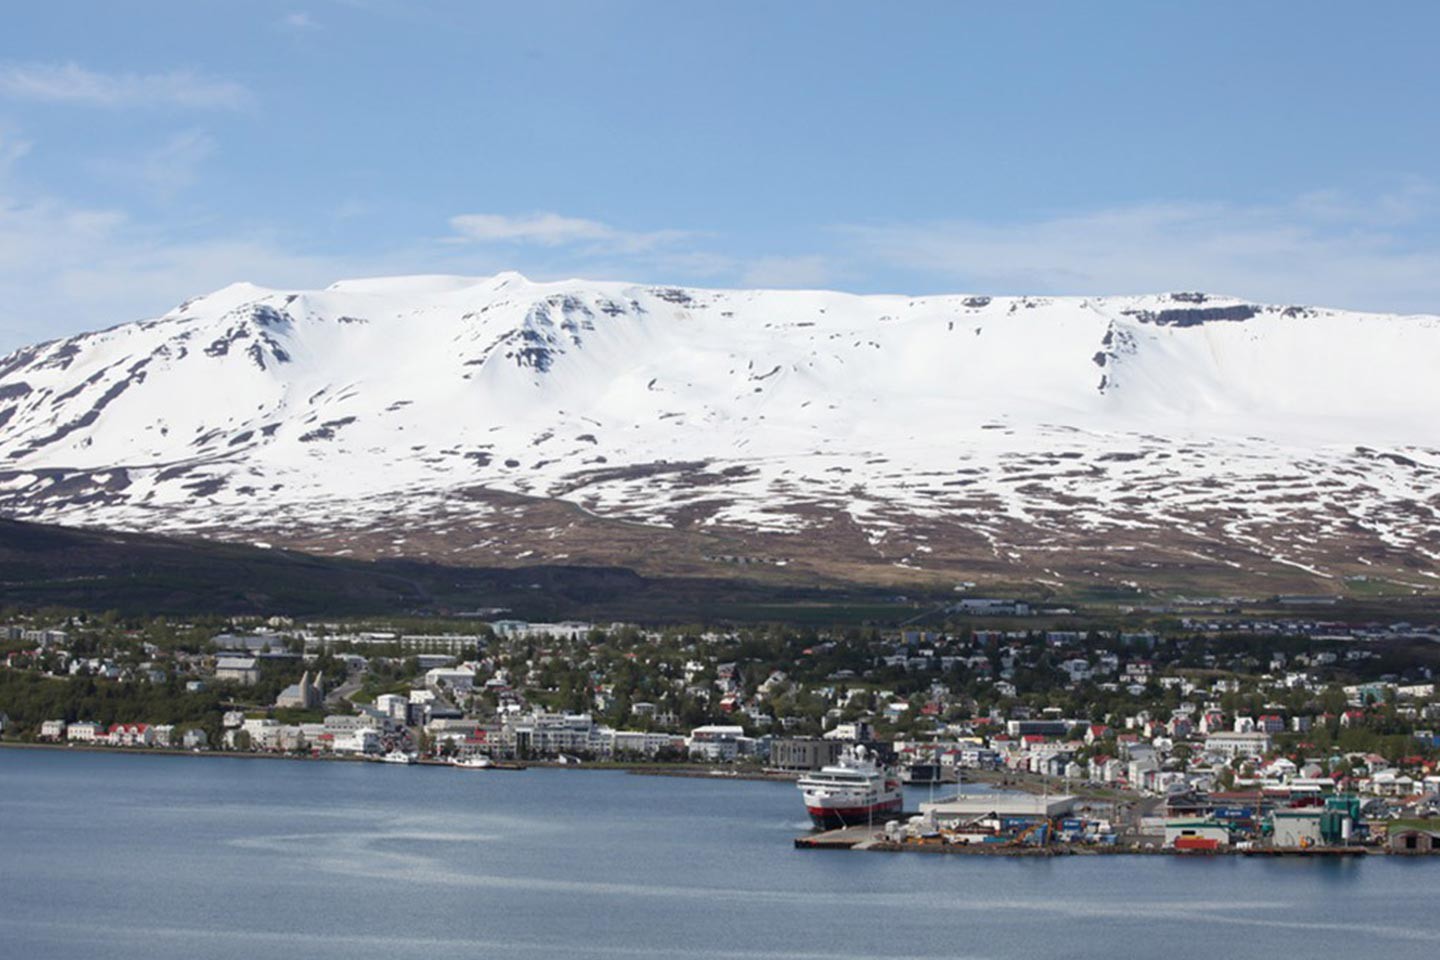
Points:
(131, 735)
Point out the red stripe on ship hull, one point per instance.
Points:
(830, 817)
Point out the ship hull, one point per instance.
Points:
(831, 818)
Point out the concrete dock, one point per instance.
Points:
(842, 838)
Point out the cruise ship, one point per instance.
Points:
(855, 790)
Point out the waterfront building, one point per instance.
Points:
(1297, 828)
(1332, 825)
(968, 808)
(84, 732)
(52, 730)
(362, 741)
(264, 733)
(1196, 834)
(546, 734)
(455, 729)
(1413, 841)
(716, 742)
(130, 735)
(642, 743)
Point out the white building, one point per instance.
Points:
(393, 705)
(52, 730)
(1254, 743)
(84, 732)
(639, 743)
(1296, 828)
(264, 733)
(459, 679)
(360, 741)
(998, 805)
(715, 742)
(856, 732)
(459, 730)
(340, 724)
(539, 734)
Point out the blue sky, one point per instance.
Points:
(1280, 151)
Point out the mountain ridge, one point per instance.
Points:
(1004, 440)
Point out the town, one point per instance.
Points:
(1201, 736)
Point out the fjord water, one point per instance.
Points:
(126, 856)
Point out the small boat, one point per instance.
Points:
(398, 756)
(477, 762)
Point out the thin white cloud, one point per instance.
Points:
(65, 267)
(72, 83)
(12, 149)
(1328, 249)
(548, 229)
(299, 21)
(165, 170)
(801, 272)
(555, 230)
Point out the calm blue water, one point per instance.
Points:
(105, 856)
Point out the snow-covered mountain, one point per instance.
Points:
(1179, 441)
